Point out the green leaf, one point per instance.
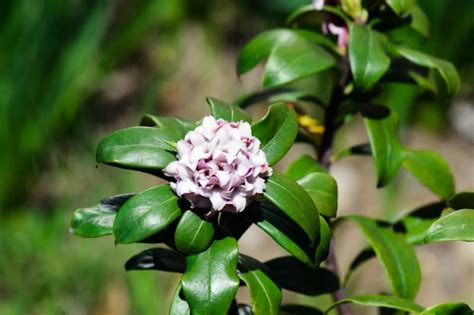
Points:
(98, 220)
(322, 251)
(462, 200)
(456, 308)
(228, 112)
(400, 6)
(420, 21)
(265, 294)
(391, 302)
(396, 255)
(418, 222)
(296, 60)
(303, 166)
(141, 148)
(193, 234)
(386, 148)
(296, 309)
(178, 305)
(291, 198)
(322, 188)
(180, 126)
(284, 231)
(291, 274)
(431, 170)
(277, 131)
(367, 57)
(162, 259)
(445, 69)
(259, 48)
(210, 281)
(455, 226)
(145, 214)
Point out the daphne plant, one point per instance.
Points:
(335, 60)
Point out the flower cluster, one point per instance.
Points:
(220, 166)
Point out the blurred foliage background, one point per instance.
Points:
(71, 71)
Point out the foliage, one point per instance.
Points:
(298, 209)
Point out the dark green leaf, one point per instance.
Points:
(303, 166)
(277, 131)
(97, 220)
(431, 170)
(445, 69)
(179, 126)
(396, 255)
(282, 230)
(455, 226)
(179, 306)
(418, 222)
(322, 188)
(157, 259)
(400, 6)
(386, 148)
(309, 12)
(295, 309)
(380, 301)
(146, 214)
(291, 198)
(193, 234)
(322, 251)
(367, 57)
(265, 294)
(448, 309)
(291, 274)
(210, 281)
(296, 60)
(462, 200)
(228, 112)
(359, 149)
(141, 148)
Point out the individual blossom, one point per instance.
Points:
(333, 24)
(219, 166)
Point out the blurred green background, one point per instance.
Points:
(72, 71)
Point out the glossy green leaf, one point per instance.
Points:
(282, 229)
(180, 126)
(293, 200)
(259, 48)
(193, 234)
(265, 294)
(293, 275)
(400, 6)
(296, 60)
(296, 309)
(386, 301)
(396, 255)
(322, 188)
(97, 220)
(228, 112)
(431, 170)
(385, 146)
(179, 306)
(322, 251)
(162, 259)
(455, 226)
(146, 213)
(456, 308)
(210, 281)
(303, 166)
(367, 57)
(277, 131)
(418, 222)
(462, 200)
(445, 69)
(138, 148)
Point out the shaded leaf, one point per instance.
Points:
(193, 234)
(303, 166)
(322, 188)
(293, 275)
(455, 226)
(210, 281)
(97, 220)
(322, 251)
(178, 125)
(228, 112)
(277, 131)
(157, 259)
(380, 301)
(367, 58)
(145, 214)
(456, 308)
(296, 309)
(462, 200)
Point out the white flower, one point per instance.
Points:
(318, 4)
(220, 166)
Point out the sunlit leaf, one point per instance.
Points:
(303, 166)
(322, 188)
(228, 112)
(455, 226)
(178, 125)
(455, 308)
(193, 234)
(385, 301)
